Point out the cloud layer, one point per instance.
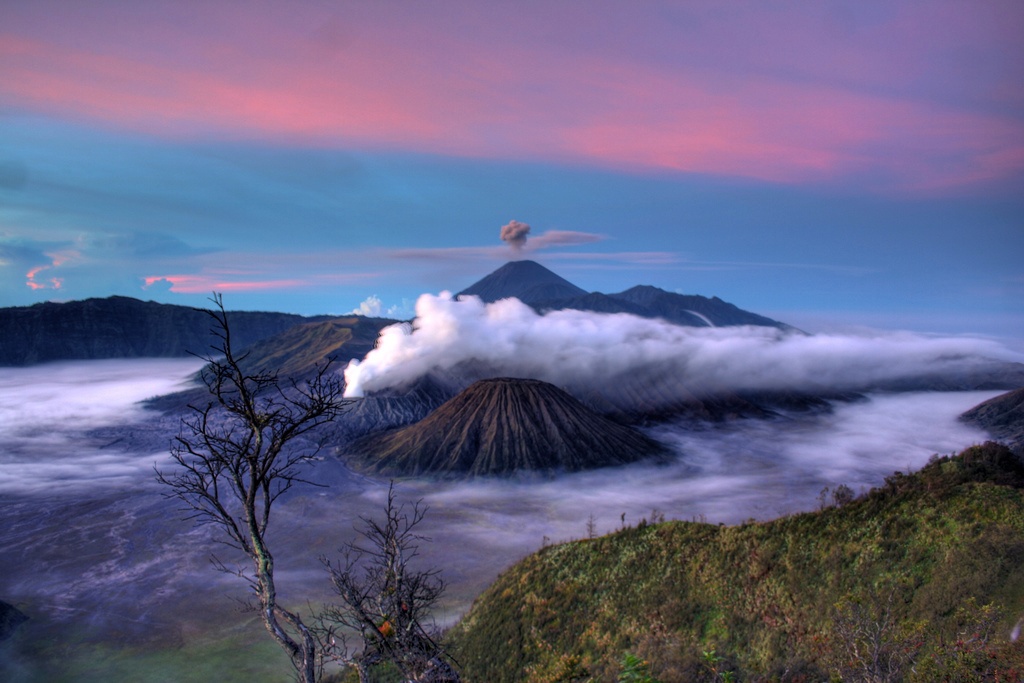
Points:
(118, 556)
(47, 410)
(591, 352)
(910, 94)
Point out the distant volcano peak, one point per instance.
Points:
(526, 280)
(544, 291)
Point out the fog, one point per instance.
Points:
(592, 352)
(103, 563)
(48, 411)
(729, 472)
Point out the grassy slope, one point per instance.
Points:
(762, 595)
(298, 351)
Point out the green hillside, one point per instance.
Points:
(933, 562)
(298, 351)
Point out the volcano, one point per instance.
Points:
(527, 281)
(543, 290)
(502, 426)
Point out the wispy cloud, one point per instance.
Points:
(763, 265)
(619, 258)
(533, 245)
(39, 277)
(681, 262)
(249, 272)
(443, 253)
(33, 264)
(155, 263)
(199, 284)
(562, 238)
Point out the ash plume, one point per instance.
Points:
(514, 234)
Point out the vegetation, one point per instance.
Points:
(921, 579)
(302, 349)
(386, 601)
(236, 455)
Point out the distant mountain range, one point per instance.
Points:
(1002, 417)
(538, 287)
(442, 426)
(123, 327)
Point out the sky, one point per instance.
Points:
(833, 165)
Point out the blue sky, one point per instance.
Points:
(856, 165)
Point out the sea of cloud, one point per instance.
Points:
(47, 411)
(726, 472)
(92, 545)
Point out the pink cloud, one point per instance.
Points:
(32, 283)
(784, 96)
(226, 275)
(200, 284)
(57, 259)
(169, 100)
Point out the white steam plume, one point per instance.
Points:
(598, 352)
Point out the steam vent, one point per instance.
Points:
(502, 426)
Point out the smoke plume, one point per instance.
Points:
(608, 354)
(514, 233)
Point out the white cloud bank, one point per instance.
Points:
(589, 352)
(46, 411)
(727, 472)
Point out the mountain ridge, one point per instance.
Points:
(544, 291)
(925, 552)
(123, 327)
(126, 327)
(1002, 417)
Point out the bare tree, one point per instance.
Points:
(238, 453)
(872, 644)
(386, 600)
